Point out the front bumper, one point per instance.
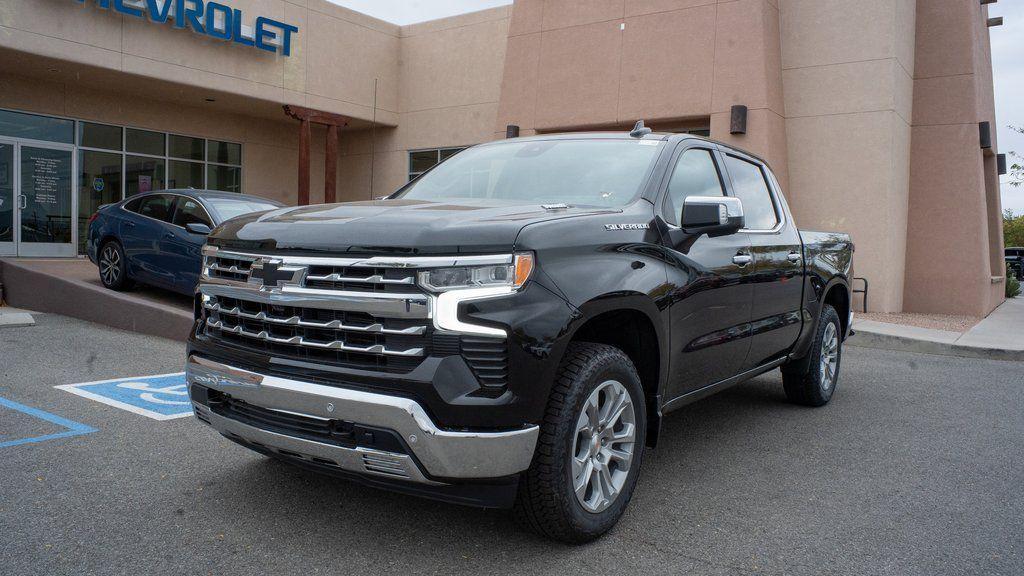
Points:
(432, 456)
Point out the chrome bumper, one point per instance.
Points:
(440, 453)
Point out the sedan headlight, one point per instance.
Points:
(511, 275)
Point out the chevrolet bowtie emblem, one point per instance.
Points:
(270, 272)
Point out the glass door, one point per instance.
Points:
(46, 223)
(8, 200)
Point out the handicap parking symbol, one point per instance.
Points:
(161, 397)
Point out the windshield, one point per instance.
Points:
(229, 207)
(591, 172)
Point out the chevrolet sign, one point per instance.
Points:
(210, 19)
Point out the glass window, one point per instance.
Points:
(589, 172)
(6, 192)
(422, 160)
(143, 174)
(224, 152)
(695, 174)
(144, 142)
(157, 207)
(186, 147)
(225, 178)
(99, 183)
(188, 211)
(35, 127)
(751, 188)
(185, 175)
(46, 179)
(229, 207)
(99, 136)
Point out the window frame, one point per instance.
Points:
(713, 151)
(769, 180)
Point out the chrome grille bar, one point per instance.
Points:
(300, 341)
(375, 279)
(375, 328)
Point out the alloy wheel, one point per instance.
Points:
(110, 264)
(829, 356)
(603, 446)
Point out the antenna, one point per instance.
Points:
(639, 130)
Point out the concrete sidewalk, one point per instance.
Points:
(1000, 336)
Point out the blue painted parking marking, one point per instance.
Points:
(160, 397)
(73, 428)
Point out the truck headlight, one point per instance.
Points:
(509, 275)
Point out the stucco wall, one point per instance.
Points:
(848, 79)
(954, 247)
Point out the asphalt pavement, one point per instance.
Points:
(916, 467)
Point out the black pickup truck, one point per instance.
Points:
(510, 328)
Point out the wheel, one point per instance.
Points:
(590, 447)
(113, 267)
(813, 380)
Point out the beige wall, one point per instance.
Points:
(848, 80)
(576, 65)
(336, 56)
(954, 196)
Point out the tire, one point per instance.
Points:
(113, 266)
(547, 502)
(812, 381)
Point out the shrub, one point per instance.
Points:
(1012, 285)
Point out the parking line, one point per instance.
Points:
(73, 428)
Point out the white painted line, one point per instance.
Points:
(77, 390)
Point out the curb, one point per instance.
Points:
(867, 339)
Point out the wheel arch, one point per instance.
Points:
(632, 323)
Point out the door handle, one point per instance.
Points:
(794, 257)
(22, 201)
(129, 224)
(742, 260)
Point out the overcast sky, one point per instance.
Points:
(1007, 58)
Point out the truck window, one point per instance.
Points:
(750, 186)
(695, 174)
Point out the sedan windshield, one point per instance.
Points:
(590, 172)
(229, 207)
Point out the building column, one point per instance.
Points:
(331, 164)
(304, 130)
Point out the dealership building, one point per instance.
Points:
(876, 115)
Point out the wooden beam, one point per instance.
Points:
(304, 162)
(318, 116)
(331, 164)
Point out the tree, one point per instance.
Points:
(1015, 171)
(1013, 228)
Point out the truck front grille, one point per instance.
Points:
(338, 337)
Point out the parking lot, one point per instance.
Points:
(915, 468)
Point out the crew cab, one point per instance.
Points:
(511, 328)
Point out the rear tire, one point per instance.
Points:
(813, 380)
(113, 266)
(590, 447)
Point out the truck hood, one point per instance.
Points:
(390, 226)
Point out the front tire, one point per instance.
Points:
(813, 380)
(590, 447)
(113, 266)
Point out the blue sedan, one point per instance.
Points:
(156, 238)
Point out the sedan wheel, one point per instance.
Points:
(113, 272)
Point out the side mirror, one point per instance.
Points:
(712, 215)
(198, 228)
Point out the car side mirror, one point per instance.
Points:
(198, 228)
(712, 215)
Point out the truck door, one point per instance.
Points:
(709, 279)
(777, 270)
